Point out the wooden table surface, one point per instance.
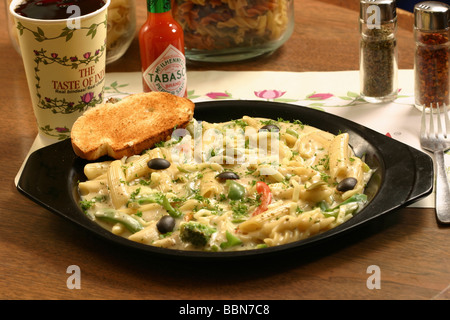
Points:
(410, 249)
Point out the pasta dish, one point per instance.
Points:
(239, 185)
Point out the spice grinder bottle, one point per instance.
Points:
(431, 61)
(378, 56)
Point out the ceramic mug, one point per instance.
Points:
(64, 61)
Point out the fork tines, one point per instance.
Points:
(438, 141)
(436, 113)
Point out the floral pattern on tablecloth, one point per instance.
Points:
(315, 99)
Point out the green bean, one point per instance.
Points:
(333, 212)
(170, 210)
(118, 217)
(161, 200)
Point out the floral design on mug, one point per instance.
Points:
(65, 107)
(74, 62)
(61, 133)
(67, 32)
(87, 97)
(81, 89)
(62, 105)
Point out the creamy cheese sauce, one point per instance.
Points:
(287, 184)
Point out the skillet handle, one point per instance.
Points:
(424, 176)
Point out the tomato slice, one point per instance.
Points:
(266, 197)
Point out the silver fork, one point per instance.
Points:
(438, 141)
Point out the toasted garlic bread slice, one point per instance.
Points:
(129, 126)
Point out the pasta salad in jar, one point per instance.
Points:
(232, 30)
(121, 28)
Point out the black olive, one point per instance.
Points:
(158, 164)
(347, 184)
(226, 175)
(270, 128)
(166, 224)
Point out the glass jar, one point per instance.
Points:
(233, 30)
(121, 28)
(432, 54)
(378, 51)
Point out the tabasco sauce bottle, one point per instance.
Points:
(161, 42)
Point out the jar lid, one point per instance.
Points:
(384, 11)
(431, 15)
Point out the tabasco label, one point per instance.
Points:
(168, 72)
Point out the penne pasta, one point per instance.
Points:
(117, 184)
(339, 158)
(93, 187)
(272, 188)
(96, 169)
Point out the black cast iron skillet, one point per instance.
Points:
(403, 175)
